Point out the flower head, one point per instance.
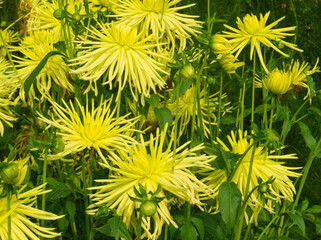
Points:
(160, 18)
(22, 210)
(255, 32)
(220, 45)
(9, 37)
(300, 72)
(124, 56)
(34, 48)
(264, 167)
(278, 81)
(229, 63)
(8, 85)
(42, 16)
(95, 127)
(150, 165)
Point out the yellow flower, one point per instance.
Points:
(160, 18)
(8, 85)
(21, 210)
(229, 63)
(42, 16)
(220, 45)
(102, 4)
(9, 37)
(34, 48)
(94, 127)
(150, 164)
(278, 81)
(186, 106)
(255, 32)
(124, 57)
(299, 73)
(264, 167)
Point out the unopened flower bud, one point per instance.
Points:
(57, 145)
(264, 188)
(220, 45)
(148, 208)
(59, 13)
(9, 173)
(278, 82)
(229, 64)
(187, 72)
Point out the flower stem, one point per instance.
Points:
(253, 89)
(272, 111)
(84, 178)
(8, 209)
(139, 226)
(219, 107)
(176, 118)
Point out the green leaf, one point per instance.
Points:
(59, 189)
(314, 209)
(32, 77)
(116, 228)
(229, 198)
(70, 208)
(286, 127)
(318, 226)
(228, 119)
(188, 231)
(308, 138)
(299, 221)
(183, 86)
(153, 100)
(164, 116)
(199, 225)
(260, 109)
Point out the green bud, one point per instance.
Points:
(76, 17)
(59, 14)
(148, 208)
(57, 145)
(187, 72)
(264, 188)
(9, 173)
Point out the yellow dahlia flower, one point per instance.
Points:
(34, 48)
(102, 4)
(22, 210)
(264, 167)
(42, 16)
(278, 81)
(9, 37)
(160, 18)
(8, 85)
(94, 127)
(300, 72)
(150, 164)
(229, 63)
(186, 106)
(220, 45)
(124, 56)
(255, 32)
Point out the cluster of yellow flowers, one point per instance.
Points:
(130, 55)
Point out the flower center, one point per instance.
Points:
(251, 24)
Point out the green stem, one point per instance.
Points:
(242, 107)
(176, 116)
(272, 111)
(253, 89)
(196, 96)
(139, 226)
(84, 179)
(219, 107)
(8, 209)
(268, 226)
(166, 232)
(265, 118)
